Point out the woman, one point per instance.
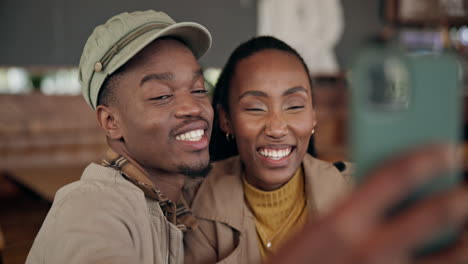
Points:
(252, 203)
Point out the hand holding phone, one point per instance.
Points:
(399, 101)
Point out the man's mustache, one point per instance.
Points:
(174, 131)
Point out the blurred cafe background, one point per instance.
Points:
(48, 134)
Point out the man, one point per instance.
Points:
(139, 71)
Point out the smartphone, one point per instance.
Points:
(400, 100)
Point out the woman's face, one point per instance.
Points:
(271, 116)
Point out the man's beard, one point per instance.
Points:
(195, 172)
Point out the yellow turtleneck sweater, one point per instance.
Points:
(279, 213)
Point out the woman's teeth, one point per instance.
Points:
(194, 135)
(275, 154)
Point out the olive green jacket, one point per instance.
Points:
(226, 231)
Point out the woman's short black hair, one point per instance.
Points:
(220, 146)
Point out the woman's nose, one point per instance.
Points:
(276, 126)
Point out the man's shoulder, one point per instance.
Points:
(101, 208)
(98, 182)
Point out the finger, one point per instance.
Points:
(412, 228)
(390, 184)
(455, 255)
(396, 178)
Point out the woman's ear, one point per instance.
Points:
(314, 120)
(224, 121)
(109, 120)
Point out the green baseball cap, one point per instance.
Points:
(114, 43)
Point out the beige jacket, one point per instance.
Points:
(226, 231)
(104, 218)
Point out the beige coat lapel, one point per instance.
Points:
(222, 195)
(324, 185)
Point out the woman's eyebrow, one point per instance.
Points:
(292, 90)
(295, 89)
(253, 93)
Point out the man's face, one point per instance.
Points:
(164, 109)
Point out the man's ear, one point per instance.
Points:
(224, 121)
(109, 120)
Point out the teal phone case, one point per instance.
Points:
(401, 100)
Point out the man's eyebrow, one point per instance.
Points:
(253, 93)
(295, 89)
(164, 76)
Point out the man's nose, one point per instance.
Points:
(187, 106)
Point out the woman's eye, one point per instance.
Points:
(254, 109)
(162, 97)
(201, 91)
(295, 107)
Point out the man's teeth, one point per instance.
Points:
(275, 154)
(194, 135)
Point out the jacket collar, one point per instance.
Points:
(176, 212)
(220, 198)
(324, 185)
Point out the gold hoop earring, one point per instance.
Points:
(229, 137)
